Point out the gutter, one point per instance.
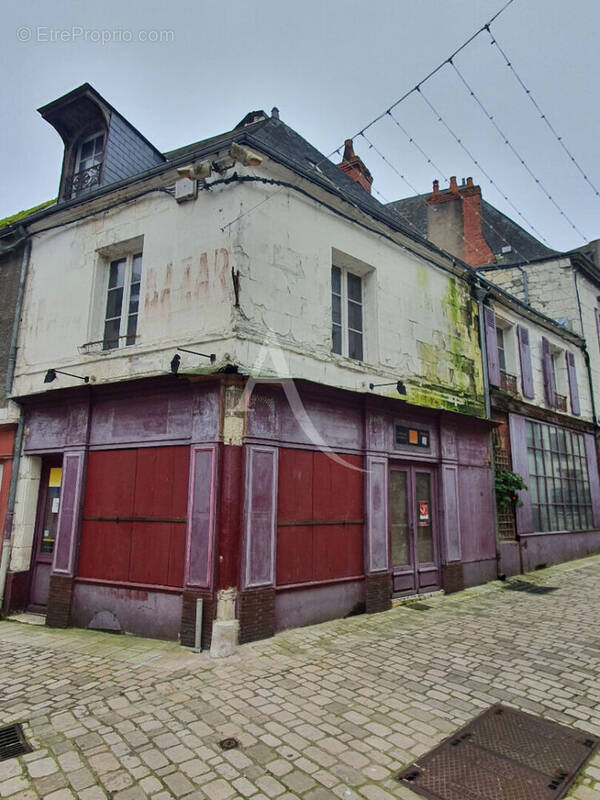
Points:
(12, 353)
(586, 354)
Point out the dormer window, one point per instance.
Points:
(88, 164)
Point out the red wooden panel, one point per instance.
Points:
(110, 483)
(176, 555)
(337, 489)
(294, 496)
(149, 562)
(161, 482)
(294, 554)
(338, 551)
(104, 550)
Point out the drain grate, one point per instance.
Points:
(12, 742)
(229, 744)
(532, 588)
(504, 754)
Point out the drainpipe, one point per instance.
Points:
(525, 282)
(10, 509)
(12, 353)
(480, 294)
(10, 373)
(586, 355)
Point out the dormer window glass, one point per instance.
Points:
(88, 163)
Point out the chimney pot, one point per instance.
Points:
(275, 112)
(453, 184)
(436, 186)
(469, 181)
(348, 150)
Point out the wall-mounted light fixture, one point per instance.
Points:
(400, 387)
(52, 373)
(176, 360)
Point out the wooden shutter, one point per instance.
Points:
(547, 370)
(491, 345)
(525, 359)
(573, 389)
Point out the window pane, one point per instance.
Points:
(354, 288)
(114, 303)
(111, 334)
(336, 309)
(117, 273)
(336, 339)
(355, 345)
(134, 298)
(354, 316)
(131, 329)
(136, 268)
(424, 529)
(400, 535)
(336, 280)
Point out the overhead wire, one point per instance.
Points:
(513, 149)
(543, 116)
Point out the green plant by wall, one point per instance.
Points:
(507, 485)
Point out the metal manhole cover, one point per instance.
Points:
(229, 744)
(12, 742)
(504, 754)
(532, 588)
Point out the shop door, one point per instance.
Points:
(45, 536)
(414, 548)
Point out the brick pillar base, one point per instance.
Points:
(60, 595)
(256, 612)
(452, 577)
(187, 630)
(378, 592)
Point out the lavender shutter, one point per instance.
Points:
(597, 315)
(547, 370)
(525, 359)
(573, 390)
(491, 345)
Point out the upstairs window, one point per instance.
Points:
(346, 313)
(122, 302)
(88, 163)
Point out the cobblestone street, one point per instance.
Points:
(334, 710)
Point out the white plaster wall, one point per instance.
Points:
(536, 332)
(186, 290)
(588, 296)
(411, 325)
(26, 498)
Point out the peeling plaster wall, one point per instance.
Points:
(186, 290)
(420, 322)
(504, 316)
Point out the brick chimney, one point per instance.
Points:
(353, 166)
(456, 213)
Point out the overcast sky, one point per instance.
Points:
(330, 66)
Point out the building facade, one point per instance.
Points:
(277, 410)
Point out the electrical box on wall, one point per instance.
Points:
(185, 189)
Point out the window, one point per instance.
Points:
(501, 348)
(558, 478)
(86, 174)
(346, 313)
(122, 301)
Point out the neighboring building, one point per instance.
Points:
(166, 478)
(538, 374)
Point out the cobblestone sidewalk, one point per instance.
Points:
(335, 710)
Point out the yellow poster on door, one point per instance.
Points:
(55, 476)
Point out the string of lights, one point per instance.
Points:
(479, 166)
(414, 142)
(549, 125)
(514, 150)
(423, 200)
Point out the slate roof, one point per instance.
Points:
(498, 229)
